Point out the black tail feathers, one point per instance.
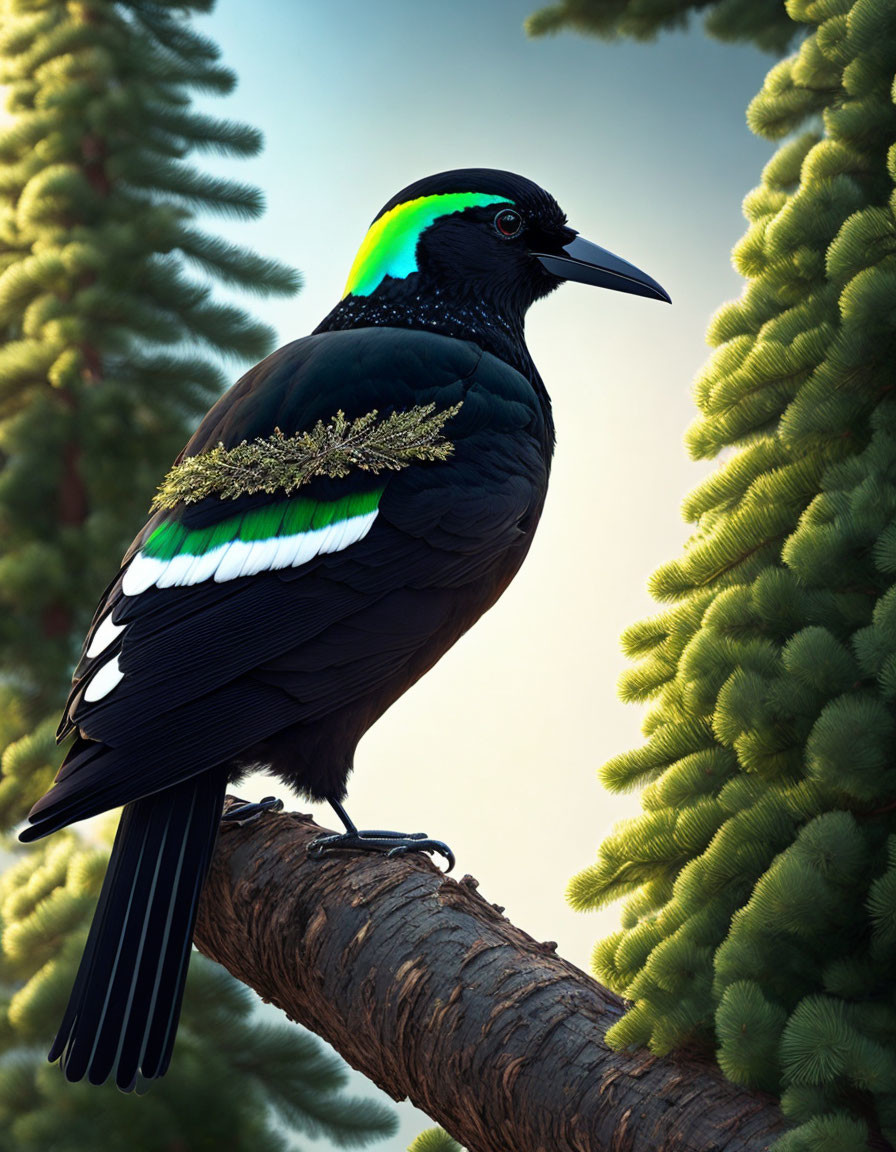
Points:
(122, 1015)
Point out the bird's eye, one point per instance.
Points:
(509, 223)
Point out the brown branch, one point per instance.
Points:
(428, 990)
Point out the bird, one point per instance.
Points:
(268, 628)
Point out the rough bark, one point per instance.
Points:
(428, 990)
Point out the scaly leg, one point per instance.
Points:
(376, 840)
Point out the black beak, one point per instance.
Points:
(586, 263)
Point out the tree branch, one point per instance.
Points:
(428, 990)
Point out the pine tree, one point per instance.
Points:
(434, 1140)
(764, 22)
(113, 343)
(761, 875)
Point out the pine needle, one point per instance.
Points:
(280, 463)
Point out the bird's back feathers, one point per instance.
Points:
(198, 673)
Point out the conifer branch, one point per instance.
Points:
(427, 989)
(282, 463)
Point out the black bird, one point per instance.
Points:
(270, 629)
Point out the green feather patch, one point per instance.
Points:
(284, 518)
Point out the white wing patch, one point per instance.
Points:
(104, 635)
(244, 557)
(103, 680)
(226, 562)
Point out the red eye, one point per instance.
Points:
(509, 223)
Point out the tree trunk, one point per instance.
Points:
(428, 990)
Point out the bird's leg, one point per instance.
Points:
(246, 812)
(376, 840)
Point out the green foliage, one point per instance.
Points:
(763, 22)
(281, 463)
(761, 875)
(229, 1072)
(112, 333)
(112, 347)
(434, 1140)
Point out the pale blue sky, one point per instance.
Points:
(646, 148)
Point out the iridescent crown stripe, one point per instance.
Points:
(390, 246)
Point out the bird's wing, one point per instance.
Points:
(183, 665)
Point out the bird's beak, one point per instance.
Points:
(587, 263)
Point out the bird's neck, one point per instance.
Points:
(488, 328)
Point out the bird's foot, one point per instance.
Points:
(246, 812)
(380, 840)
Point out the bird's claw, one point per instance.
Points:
(246, 812)
(380, 840)
(422, 843)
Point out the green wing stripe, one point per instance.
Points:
(262, 524)
(166, 541)
(299, 513)
(284, 518)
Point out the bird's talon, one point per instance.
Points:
(423, 844)
(444, 850)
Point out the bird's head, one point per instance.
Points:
(480, 236)
(465, 253)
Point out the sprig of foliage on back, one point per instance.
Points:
(280, 463)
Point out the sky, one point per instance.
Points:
(646, 148)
